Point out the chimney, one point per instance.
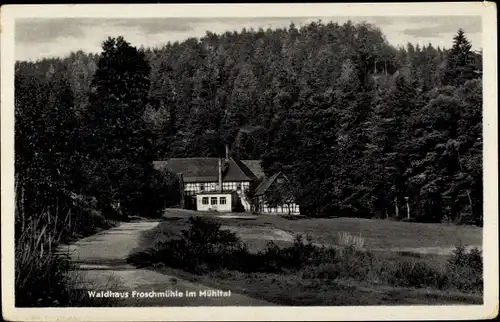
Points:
(220, 175)
(180, 177)
(227, 152)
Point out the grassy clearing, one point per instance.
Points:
(377, 235)
(317, 275)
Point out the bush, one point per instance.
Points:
(465, 269)
(416, 274)
(347, 262)
(464, 272)
(354, 263)
(297, 256)
(203, 247)
(327, 271)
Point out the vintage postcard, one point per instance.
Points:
(249, 162)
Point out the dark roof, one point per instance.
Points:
(227, 192)
(248, 172)
(254, 166)
(265, 184)
(204, 169)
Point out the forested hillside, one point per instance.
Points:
(355, 123)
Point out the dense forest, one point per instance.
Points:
(360, 127)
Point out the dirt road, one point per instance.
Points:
(101, 260)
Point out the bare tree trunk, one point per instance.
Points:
(467, 190)
(470, 201)
(397, 208)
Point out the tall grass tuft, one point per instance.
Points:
(347, 240)
(42, 276)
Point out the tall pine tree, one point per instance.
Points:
(118, 149)
(460, 61)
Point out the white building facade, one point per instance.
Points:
(220, 202)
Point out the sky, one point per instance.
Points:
(37, 38)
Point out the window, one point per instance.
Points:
(222, 200)
(213, 200)
(202, 187)
(280, 180)
(204, 200)
(238, 186)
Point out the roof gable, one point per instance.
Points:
(246, 170)
(255, 167)
(265, 184)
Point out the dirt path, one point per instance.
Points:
(101, 260)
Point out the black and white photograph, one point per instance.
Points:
(233, 158)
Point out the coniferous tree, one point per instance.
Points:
(459, 62)
(119, 155)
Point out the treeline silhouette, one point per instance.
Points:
(360, 127)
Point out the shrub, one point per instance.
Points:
(203, 247)
(354, 263)
(416, 274)
(465, 269)
(347, 262)
(300, 253)
(326, 271)
(297, 256)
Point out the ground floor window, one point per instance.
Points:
(213, 200)
(222, 200)
(204, 200)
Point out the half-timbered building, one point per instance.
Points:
(206, 176)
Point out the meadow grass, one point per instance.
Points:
(377, 233)
(294, 274)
